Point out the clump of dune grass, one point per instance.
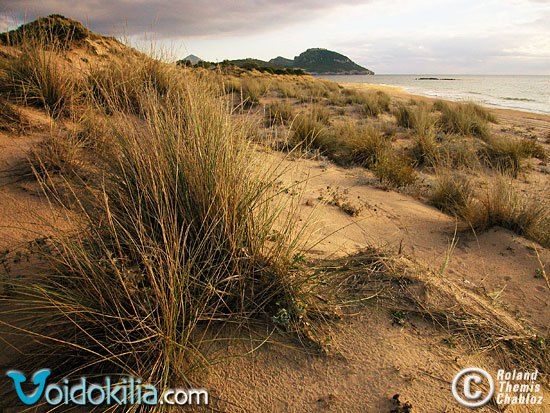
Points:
(416, 116)
(309, 127)
(505, 155)
(454, 194)
(530, 148)
(426, 150)
(118, 84)
(396, 284)
(482, 112)
(175, 238)
(279, 112)
(503, 206)
(351, 144)
(56, 154)
(231, 84)
(285, 86)
(465, 119)
(251, 91)
(375, 103)
(457, 152)
(395, 170)
(38, 77)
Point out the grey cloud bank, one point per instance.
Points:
(222, 29)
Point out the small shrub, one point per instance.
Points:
(395, 170)
(340, 198)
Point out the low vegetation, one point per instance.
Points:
(183, 225)
(499, 204)
(38, 77)
(176, 230)
(465, 119)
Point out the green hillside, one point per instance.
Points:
(326, 61)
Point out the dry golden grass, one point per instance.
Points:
(183, 226)
(454, 194)
(174, 236)
(395, 170)
(279, 112)
(466, 119)
(499, 205)
(11, 118)
(39, 77)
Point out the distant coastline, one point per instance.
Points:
(520, 92)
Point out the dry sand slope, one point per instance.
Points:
(375, 359)
(370, 357)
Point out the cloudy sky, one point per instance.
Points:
(397, 36)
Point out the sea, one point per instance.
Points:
(526, 93)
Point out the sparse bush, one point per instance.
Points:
(395, 170)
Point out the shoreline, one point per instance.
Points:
(399, 92)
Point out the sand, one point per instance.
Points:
(370, 359)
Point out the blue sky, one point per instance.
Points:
(418, 36)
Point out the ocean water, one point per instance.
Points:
(527, 93)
